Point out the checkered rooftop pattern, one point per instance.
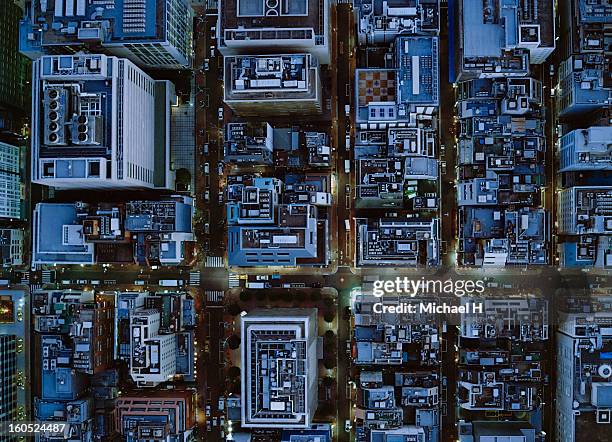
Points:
(376, 86)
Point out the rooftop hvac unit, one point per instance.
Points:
(53, 119)
(272, 8)
(86, 130)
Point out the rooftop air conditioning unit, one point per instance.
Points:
(53, 116)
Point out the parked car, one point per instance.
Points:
(220, 113)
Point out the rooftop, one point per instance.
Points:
(111, 24)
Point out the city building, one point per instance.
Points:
(74, 332)
(154, 336)
(12, 191)
(586, 150)
(409, 182)
(153, 355)
(99, 122)
(501, 173)
(501, 363)
(251, 27)
(15, 375)
(401, 96)
(379, 22)
(508, 431)
(156, 415)
(584, 85)
(125, 303)
(271, 223)
(142, 232)
(76, 329)
(11, 248)
(500, 39)
(585, 226)
(155, 34)
(288, 84)
(14, 71)
(583, 25)
(397, 242)
(279, 368)
(249, 143)
(584, 369)
(317, 432)
(394, 340)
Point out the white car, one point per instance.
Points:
(348, 426)
(220, 113)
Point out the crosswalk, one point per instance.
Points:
(233, 280)
(214, 261)
(214, 296)
(46, 277)
(35, 287)
(194, 278)
(25, 279)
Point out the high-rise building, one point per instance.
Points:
(586, 149)
(379, 22)
(273, 84)
(153, 34)
(15, 378)
(157, 415)
(99, 122)
(273, 223)
(501, 39)
(14, 70)
(584, 84)
(153, 355)
(585, 226)
(251, 26)
(11, 247)
(279, 368)
(11, 184)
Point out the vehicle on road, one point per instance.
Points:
(206, 167)
(347, 166)
(220, 113)
(207, 196)
(207, 228)
(348, 425)
(258, 285)
(169, 283)
(206, 64)
(220, 197)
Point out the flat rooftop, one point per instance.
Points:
(260, 14)
(418, 71)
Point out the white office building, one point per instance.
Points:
(99, 122)
(279, 368)
(153, 356)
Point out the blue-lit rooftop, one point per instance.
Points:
(417, 64)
